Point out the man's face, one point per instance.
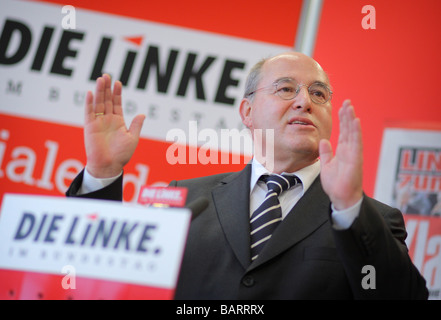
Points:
(299, 124)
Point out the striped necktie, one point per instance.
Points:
(267, 217)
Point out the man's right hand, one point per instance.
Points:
(109, 145)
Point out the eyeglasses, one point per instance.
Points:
(288, 89)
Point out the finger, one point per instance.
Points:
(353, 125)
(343, 119)
(356, 136)
(347, 103)
(99, 96)
(89, 113)
(325, 151)
(117, 98)
(352, 130)
(136, 125)
(108, 101)
(347, 116)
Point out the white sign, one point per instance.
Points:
(100, 239)
(172, 75)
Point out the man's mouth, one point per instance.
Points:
(301, 121)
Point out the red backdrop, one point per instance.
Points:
(390, 73)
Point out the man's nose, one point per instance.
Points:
(302, 100)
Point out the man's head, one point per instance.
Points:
(299, 123)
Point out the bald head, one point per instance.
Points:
(256, 72)
(295, 57)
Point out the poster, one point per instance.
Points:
(409, 178)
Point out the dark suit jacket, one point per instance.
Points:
(305, 258)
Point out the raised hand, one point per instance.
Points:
(341, 175)
(109, 145)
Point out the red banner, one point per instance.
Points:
(19, 285)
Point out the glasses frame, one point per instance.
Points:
(298, 88)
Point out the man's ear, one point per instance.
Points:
(245, 113)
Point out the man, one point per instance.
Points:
(330, 231)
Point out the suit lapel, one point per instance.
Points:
(233, 212)
(308, 214)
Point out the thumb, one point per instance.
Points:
(325, 151)
(136, 125)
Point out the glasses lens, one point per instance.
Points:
(319, 93)
(286, 89)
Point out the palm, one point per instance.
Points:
(109, 145)
(341, 175)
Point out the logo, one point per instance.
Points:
(163, 196)
(92, 231)
(191, 72)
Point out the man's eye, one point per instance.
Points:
(286, 89)
(318, 93)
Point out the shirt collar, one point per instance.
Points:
(307, 174)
